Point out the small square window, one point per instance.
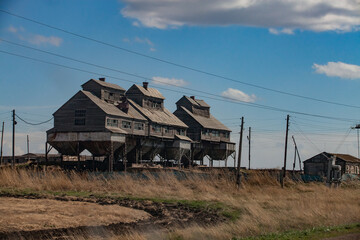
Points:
(126, 124)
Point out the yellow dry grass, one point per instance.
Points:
(264, 206)
(36, 214)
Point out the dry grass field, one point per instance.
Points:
(36, 214)
(258, 207)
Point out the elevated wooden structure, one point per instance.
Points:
(210, 137)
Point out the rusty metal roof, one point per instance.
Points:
(161, 116)
(150, 92)
(207, 122)
(106, 84)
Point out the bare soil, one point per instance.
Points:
(62, 220)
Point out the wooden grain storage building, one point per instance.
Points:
(166, 134)
(106, 121)
(210, 137)
(93, 119)
(318, 164)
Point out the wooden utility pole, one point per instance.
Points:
(13, 140)
(285, 152)
(357, 126)
(298, 154)
(249, 138)
(2, 140)
(27, 143)
(238, 177)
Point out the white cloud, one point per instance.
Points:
(169, 81)
(40, 40)
(286, 15)
(12, 29)
(237, 95)
(35, 39)
(338, 69)
(145, 41)
(281, 31)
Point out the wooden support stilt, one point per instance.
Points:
(111, 157)
(124, 157)
(78, 155)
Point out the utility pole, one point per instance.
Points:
(285, 152)
(238, 177)
(357, 126)
(27, 143)
(298, 154)
(13, 139)
(2, 140)
(249, 138)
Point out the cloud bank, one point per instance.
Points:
(280, 16)
(237, 95)
(338, 69)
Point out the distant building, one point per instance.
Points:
(318, 164)
(210, 137)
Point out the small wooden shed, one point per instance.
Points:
(318, 164)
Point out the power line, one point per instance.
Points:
(219, 98)
(177, 64)
(34, 124)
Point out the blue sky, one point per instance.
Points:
(303, 47)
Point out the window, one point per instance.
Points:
(79, 121)
(215, 133)
(181, 132)
(138, 126)
(227, 135)
(111, 122)
(126, 124)
(80, 113)
(80, 117)
(156, 128)
(166, 129)
(206, 132)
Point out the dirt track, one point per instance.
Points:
(162, 216)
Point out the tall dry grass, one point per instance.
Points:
(262, 204)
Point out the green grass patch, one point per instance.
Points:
(313, 233)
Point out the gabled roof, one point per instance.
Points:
(344, 157)
(161, 116)
(207, 122)
(105, 84)
(111, 109)
(196, 102)
(149, 92)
